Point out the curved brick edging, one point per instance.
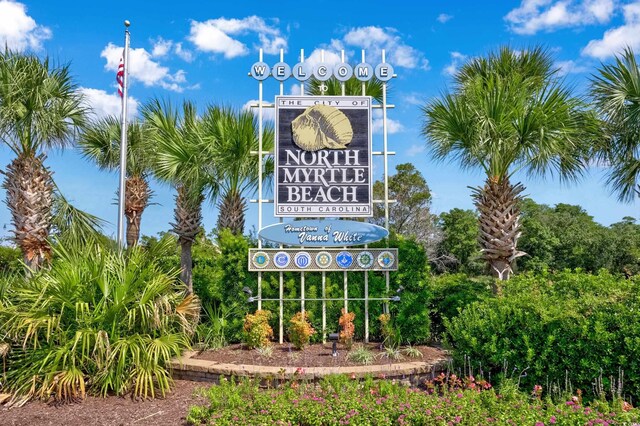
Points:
(189, 368)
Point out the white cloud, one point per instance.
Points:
(457, 59)
(443, 18)
(268, 114)
(415, 150)
(374, 39)
(19, 31)
(143, 68)
(330, 57)
(570, 67)
(393, 126)
(220, 36)
(162, 48)
(105, 104)
(548, 15)
(616, 39)
(413, 99)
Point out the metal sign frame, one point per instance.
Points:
(301, 72)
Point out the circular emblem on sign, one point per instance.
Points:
(260, 259)
(363, 71)
(365, 259)
(281, 259)
(386, 259)
(384, 72)
(260, 71)
(344, 259)
(323, 259)
(301, 71)
(281, 71)
(342, 72)
(302, 260)
(322, 71)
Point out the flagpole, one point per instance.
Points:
(123, 139)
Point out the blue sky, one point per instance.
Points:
(203, 50)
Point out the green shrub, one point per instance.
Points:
(337, 400)
(568, 325)
(452, 292)
(99, 319)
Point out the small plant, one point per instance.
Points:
(361, 355)
(389, 334)
(265, 351)
(392, 352)
(347, 329)
(300, 330)
(412, 352)
(257, 331)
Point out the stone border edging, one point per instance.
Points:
(190, 368)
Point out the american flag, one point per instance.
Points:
(120, 77)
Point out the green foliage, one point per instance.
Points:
(339, 401)
(99, 319)
(411, 215)
(361, 355)
(568, 324)
(451, 293)
(10, 260)
(615, 91)
(565, 236)
(460, 241)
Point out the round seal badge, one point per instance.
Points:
(260, 259)
(302, 260)
(386, 259)
(365, 259)
(282, 259)
(344, 259)
(323, 259)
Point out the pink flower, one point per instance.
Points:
(539, 424)
(552, 420)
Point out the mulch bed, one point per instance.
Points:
(110, 411)
(316, 355)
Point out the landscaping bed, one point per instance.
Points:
(109, 411)
(315, 355)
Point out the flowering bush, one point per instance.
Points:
(300, 330)
(339, 400)
(347, 329)
(257, 331)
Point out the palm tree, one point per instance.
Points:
(40, 108)
(508, 112)
(101, 143)
(352, 87)
(182, 159)
(234, 134)
(615, 91)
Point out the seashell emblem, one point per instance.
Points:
(322, 126)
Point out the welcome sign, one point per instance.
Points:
(323, 156)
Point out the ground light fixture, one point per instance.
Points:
(333, 337)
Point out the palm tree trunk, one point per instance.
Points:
(498, 203)
(186, 263)
(188, 217)
(29, 186)
(231, 214)
(136, 196)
